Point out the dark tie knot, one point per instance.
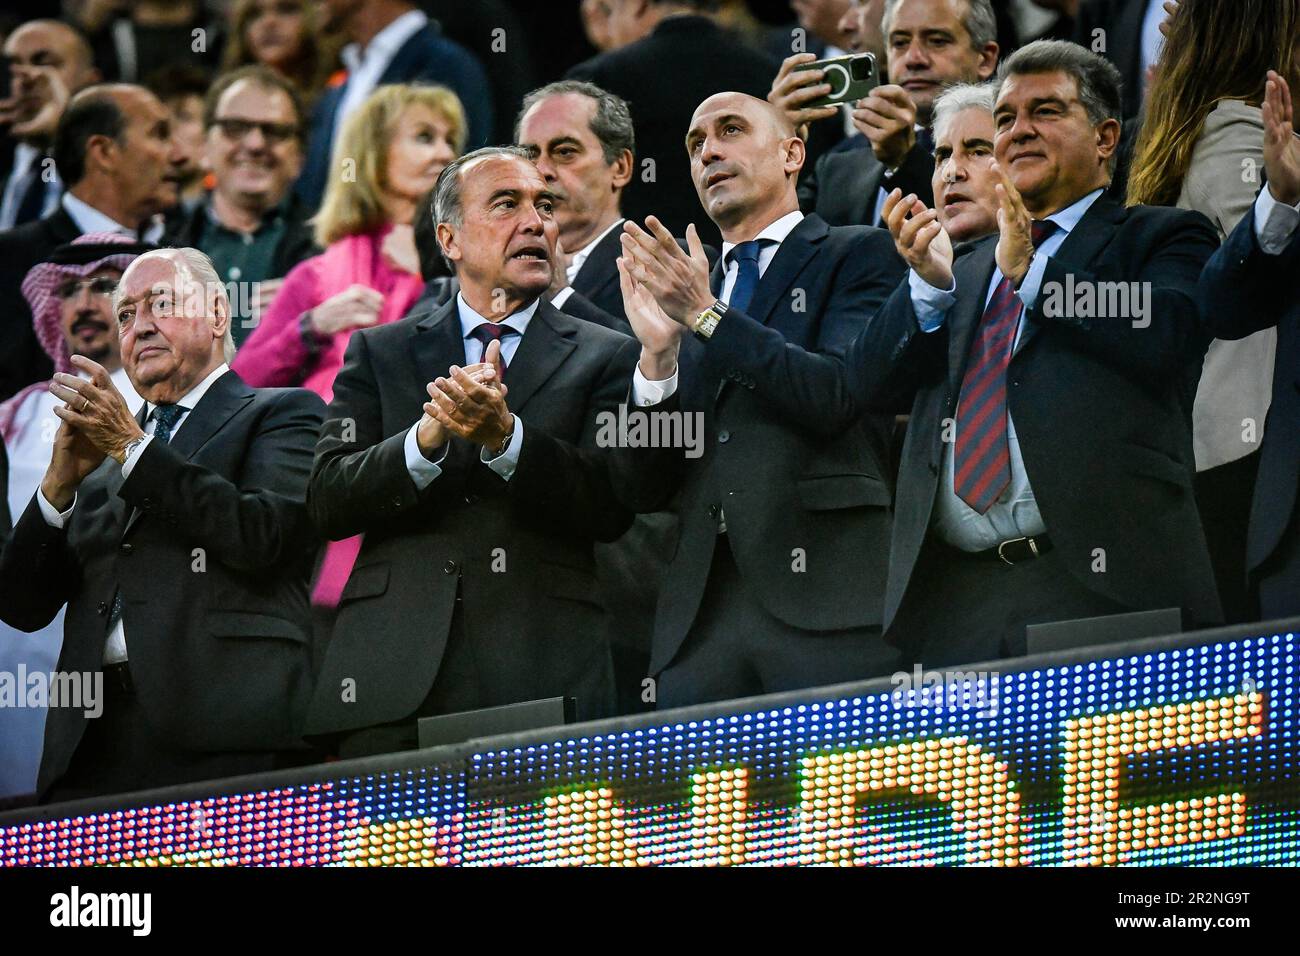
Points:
(746, 251)
(492, 332)
(165, 418)
(1040, 230)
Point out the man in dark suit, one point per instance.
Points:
(115, 152)
(475, 585)
(784, 508)
(1048, 463)
(674, 57)
(183, 560)
(931, 44)
(1247, 286)
(392, 42)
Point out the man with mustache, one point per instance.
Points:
(930, 44)
(779, 572)
(251, 225)
(480, 487)
(114, 151)
(70, 298)
(178, 539)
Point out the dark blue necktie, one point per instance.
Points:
(745, 255)
(165, 418)
(926, 139)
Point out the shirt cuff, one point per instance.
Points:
(646, 392)
(930, 304)
(55, 519)
(505, 463)
(134, 455)
(421, 469)
(562, 297)
(1275, 222)
(1032, 283)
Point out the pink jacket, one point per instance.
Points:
(275, 354)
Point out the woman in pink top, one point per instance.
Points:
(387, 158)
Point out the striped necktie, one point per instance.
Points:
(982, 455)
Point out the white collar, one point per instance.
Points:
(580, 256)
(471, 320)
(90, 219)
(386, 42)
(1069, 217)
(776, 231)
(195, 395)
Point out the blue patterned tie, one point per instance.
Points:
(745, 254)
(165, 418)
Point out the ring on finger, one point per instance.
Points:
(85, 403)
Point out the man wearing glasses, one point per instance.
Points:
(250, 225)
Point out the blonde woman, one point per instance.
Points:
(388, 157)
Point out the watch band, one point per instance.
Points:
(707, 321)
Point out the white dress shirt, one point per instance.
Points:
(423, 470)
(25, 157)
(1015, 514)
(90, 219)
(1275, 222)
(115, 646)
(365, 67)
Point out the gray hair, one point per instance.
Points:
(194, 269)
(1098, 79)
(980, 22)
(957, 98)
(446, 191)
(611, 123)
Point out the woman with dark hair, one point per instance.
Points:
(1201, 148)
(282, 35)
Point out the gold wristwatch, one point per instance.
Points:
(707, 320)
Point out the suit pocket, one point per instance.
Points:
(247, 624)
(833, 492)
(1157, 464)
(368, 581)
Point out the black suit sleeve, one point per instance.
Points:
(1172, 332)
(360, 474)
(257, 524)
(800, 386)
(1243, 289)
(571, 488)
(38, 572)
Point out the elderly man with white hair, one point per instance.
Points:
(178, 539)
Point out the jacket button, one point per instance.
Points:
(146, 504)
(713, 512)
(934, 469)
(102, 609)
(126, 549)
(449, 567)
(471, 498)
(397, 501)
(724, 437)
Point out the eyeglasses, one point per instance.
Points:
(100, 287)
(273, 133)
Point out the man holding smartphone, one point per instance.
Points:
(930, 45)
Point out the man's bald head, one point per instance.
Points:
(42, 39)
(745, 160)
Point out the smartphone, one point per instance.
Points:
(851, 78)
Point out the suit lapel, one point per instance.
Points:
(599, 270)
(437, 344)
(1081, 247)
(965, 316)
(222, 401)
(795, 251)
(545, 345)
(115, 480)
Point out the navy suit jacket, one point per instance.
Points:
(426, 58)
(1242, 291)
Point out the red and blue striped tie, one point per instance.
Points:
(982, 456)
